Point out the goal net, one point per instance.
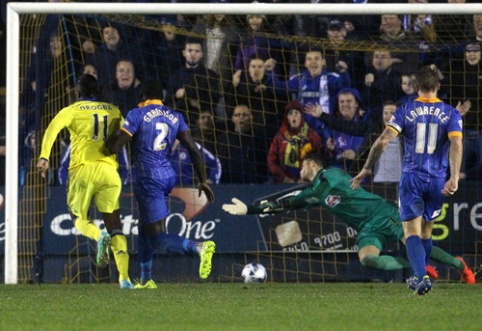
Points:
(234, 71)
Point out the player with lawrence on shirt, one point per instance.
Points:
(432, 132)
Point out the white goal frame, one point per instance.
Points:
(14, 9)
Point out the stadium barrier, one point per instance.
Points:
(303, 245)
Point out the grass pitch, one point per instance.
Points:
(213, 307)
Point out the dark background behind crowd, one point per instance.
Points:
(234, 79)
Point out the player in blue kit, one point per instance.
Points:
(154, 128)
(432, 133)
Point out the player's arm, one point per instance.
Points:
(197, 161)
(455, 155)
(59, 122)
(272, 207)
(116, 141)
(238, 207)
(379, 146)
(374, 155)
(455, 160)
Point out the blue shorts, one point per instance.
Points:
(420, 198)
(152, 196)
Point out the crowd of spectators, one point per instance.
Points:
(259, 92)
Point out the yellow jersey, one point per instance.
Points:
(90, 123)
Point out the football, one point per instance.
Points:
(254, 273)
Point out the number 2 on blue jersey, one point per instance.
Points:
(159, 143)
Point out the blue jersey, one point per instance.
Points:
(321, 89)
(154, 128)
(426, 125)
(182, 165)
(345, 141)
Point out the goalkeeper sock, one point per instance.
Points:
(416, 255)
(87, 228)
(427, 245)
(385, 262)
(172, 243)
(442, 256)
(119, 249)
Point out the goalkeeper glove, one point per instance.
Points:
(270, 206)
(237, 208)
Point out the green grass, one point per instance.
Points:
(213, 306)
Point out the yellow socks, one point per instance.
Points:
(87, 228)
(119, 249)
(118, 245)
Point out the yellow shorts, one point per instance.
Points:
(100, 181)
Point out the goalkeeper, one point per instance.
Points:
(375, 219)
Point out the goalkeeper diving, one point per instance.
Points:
(376, 220)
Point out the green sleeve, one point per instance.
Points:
(299, 201)
(295, 202)
(258, 210)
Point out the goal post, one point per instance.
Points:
(11, 185)
(242, 8)
(15, 9)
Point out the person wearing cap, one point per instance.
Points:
(465, 83)
(255, 21)
(466, 31)
(337, 39)
(338, 53)
(294, 140)
(451, 29)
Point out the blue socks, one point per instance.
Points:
(174, 243)
(144, 249)
(146, 271)
(427, 245)
(190, 246)
(416, 255)
(145, 254)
